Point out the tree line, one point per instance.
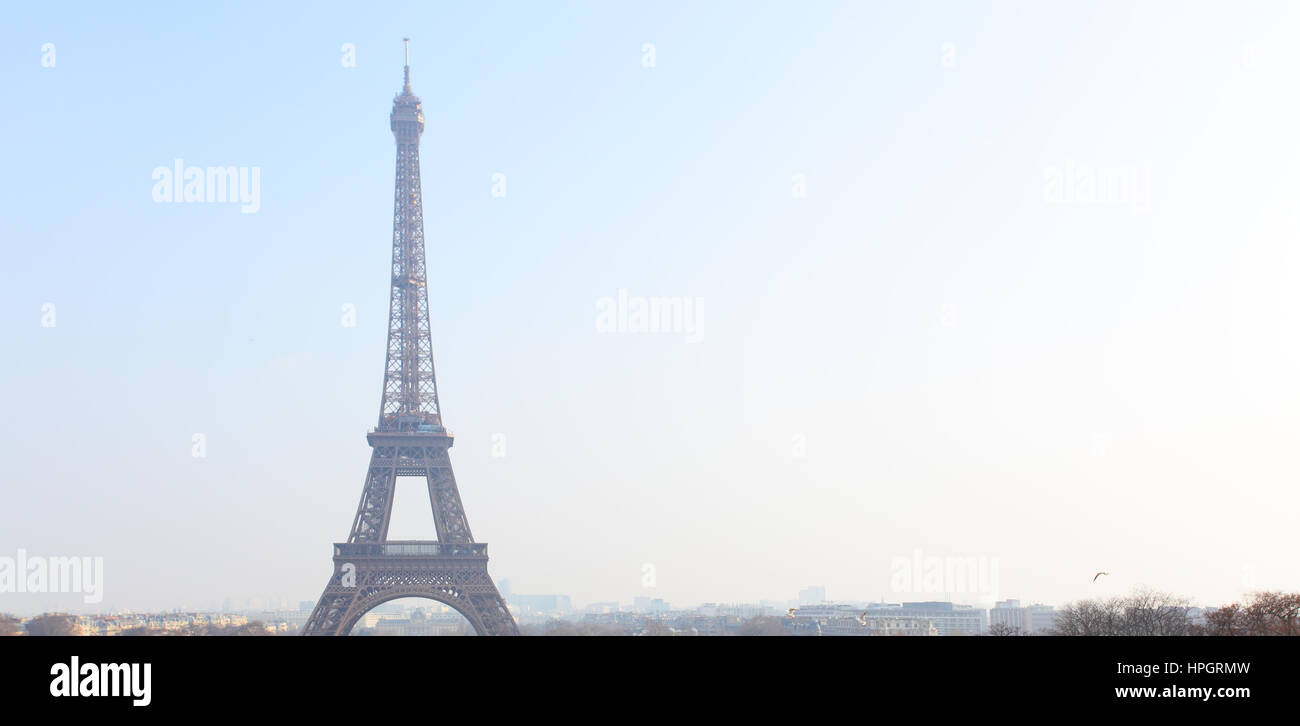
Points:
(1149, 612)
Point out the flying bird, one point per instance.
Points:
(790, 613)
(862, 619)
(1099, 574)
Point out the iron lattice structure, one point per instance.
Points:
(409, 440)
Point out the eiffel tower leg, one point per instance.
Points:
(334, 604)
(494, 614)
(376, 506)
(444, 497)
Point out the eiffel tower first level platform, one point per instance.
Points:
(409, 441)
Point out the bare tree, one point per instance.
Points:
(1002, 629)
(656, 627)
(10, 625)
(762, 626)
(1226, 620)
(1279, 612)
(255, 628)
(141, 631)
(566, 628)
(52, 625)
(1263, 613)
(1149, 612)
(1087, 617)
(1142, 612)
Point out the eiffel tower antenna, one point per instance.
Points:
(406, 66)
(409, 440)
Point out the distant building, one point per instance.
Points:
(812, 595)
(699, 624)
(420, 624)
(629, 622)
(881, 625)
(293, 620)
(847, 619)
(744, 611)
(1031, 620)
(649, 605)
(1009, 614)
(948, 618)
(828, 611)
(1042, 618)
(550, 604)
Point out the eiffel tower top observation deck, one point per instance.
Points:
(406, 106)
(410, 396)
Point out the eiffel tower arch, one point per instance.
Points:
(410, 440)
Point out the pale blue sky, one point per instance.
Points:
(973, 370)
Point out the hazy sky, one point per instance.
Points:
(949, 342)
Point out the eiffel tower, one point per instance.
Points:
(410, 440)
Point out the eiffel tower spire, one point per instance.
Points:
(406, 67)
